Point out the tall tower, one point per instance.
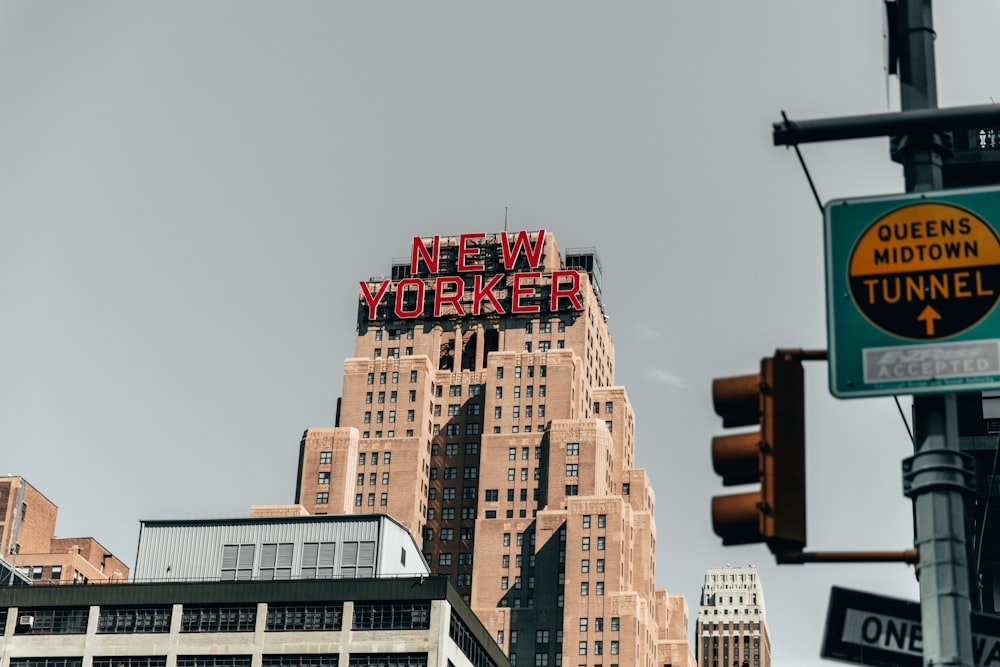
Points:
(480, 410)
(732, 630)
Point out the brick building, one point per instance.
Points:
(479, 410)
(28, 542)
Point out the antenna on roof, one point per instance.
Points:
(505, 219)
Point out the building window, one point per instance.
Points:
(600, 543)
(216, 618)
(599, 588)
(358, 500)
(583, 648)
(585, 546)
(626, 489)
(492, 495)
(237, 561)
(324, 478)
(470, 472)
(384, 500)
(371, 499)
(585, 565)
(600, 565)
(572, 489)
(602, 520)
(322, 498)
(473, 409)
(454, 410)
(471, 448)
(290, 618)
(572, 449)
(499, 372)
(127, 620)
(413, 376)
(390, 616)
(586, 521)
(572, 470)
(615, 623)
(455, 390)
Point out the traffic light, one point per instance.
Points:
(774, 455)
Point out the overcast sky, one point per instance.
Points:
(190, 193)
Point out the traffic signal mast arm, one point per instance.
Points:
(793, 133)
(774, 455)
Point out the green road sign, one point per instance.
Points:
(912, 284)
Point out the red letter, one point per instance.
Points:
(440, 299)
(481, 291)
(519, 291)
(401, 293)
(573, 293)
(534, 254)
(464, 250)
(373, 299)
(432, 260)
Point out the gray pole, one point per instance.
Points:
(937, 476)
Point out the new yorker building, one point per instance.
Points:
(480, 411)
(731, 628)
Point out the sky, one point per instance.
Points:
(190, 193)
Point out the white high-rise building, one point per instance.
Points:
(732, 630)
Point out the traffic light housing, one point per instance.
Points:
(774, 455)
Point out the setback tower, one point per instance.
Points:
(480, 411)
(731, 626)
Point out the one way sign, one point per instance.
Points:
(868, 629)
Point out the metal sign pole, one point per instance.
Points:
(936, 476)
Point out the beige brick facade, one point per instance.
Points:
(500, 440)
